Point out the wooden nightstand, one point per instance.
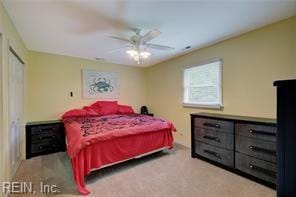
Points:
(44, 137)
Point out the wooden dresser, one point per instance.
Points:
(244, 145)
(44, 137)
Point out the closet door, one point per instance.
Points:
(16, 80)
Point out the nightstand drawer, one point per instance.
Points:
(45, 137)
(219, 125)
(46, 129)
(214, 137)
(45, 147)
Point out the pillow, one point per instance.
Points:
(74, 113)
(95, 107)
(105, 107)
(90, 111)
(125, 109)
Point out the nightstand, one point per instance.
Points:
(44, 137)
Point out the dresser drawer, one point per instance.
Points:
(256, 167)
(257, 148)
(46, 129)
(219, 125)
(214, 137)
(256, 131)
(214, 153)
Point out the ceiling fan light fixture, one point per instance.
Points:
(136, 55)
(145, 54)
(132, 52)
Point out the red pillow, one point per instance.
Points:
(94, 107)
(105, 107)
(74, 113)
(125, 109)
(90, 111)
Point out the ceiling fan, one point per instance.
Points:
(138, 44)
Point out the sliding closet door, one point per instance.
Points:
(16, 81)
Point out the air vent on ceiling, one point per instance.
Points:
(99, 59)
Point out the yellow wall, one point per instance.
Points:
(10, 38)
(52, 77)
(251, 63)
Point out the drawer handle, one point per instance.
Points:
(47, 129)
(40, 147)
(212, 138)
(263, 150)
(258, 132)
(207, 124)
(212, 153)
(47, 137)
(262, 170)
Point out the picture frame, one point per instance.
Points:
(100, 85)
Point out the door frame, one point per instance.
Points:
(3, 168)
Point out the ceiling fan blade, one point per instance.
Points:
(90, 19)
(150, 35)
(122, 39)
(119, 49)
(159, 47)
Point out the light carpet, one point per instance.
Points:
(165, 174)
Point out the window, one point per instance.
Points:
(203, 85)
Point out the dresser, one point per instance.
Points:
(286, 138)
(244, 145)
(44, 137)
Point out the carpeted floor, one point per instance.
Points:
(166, 174)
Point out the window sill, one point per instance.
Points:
(191, 105)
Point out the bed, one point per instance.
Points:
(95, 141)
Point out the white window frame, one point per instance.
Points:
(218, 105)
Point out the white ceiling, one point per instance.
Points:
(81, 28)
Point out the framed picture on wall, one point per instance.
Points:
(97, 84)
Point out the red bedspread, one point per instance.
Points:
(83, 131)
(96, 141)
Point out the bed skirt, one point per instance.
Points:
(105, 153)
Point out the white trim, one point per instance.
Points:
(214, 106)
(1, 108)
